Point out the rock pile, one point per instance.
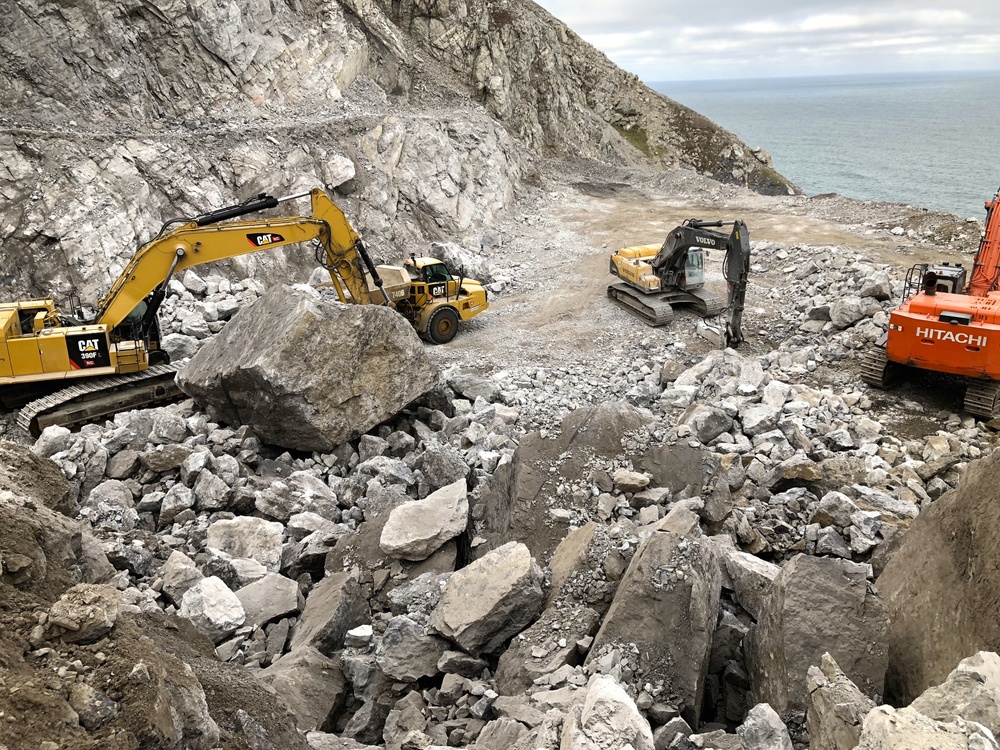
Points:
(672, 565)
(428, 651)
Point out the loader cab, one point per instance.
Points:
(434, 273)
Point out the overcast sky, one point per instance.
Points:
(668, 40)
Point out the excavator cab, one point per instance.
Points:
(694, 269)
(933, 279)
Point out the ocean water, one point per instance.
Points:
(925, 139)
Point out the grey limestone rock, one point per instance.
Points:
(310, 684)
(817, 605)
(270, 598)
(607, 719)
(248, 537)
(764, 730)
(417, 528)
(490, 600)
(85, 613)
(836, 707)
(333, 607)
(307, 373)
(300, 492)
(408, 652)
(667, 606)
(213, 608)
(179, 573)
(972, 692)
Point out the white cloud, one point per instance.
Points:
(663, 40)
(833, 22)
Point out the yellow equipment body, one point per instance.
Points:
(41, 349)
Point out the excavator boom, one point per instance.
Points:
(986, 267)
(203, 240)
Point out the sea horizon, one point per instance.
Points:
(884, 74)
(919, 138)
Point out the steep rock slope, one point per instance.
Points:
(562, 96)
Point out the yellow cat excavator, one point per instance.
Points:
(59, 369)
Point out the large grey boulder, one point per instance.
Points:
(580, 568)
(666, 606)
(517, 500)
(310, 684)
(408, 652)
(110, 505)
(846, 311)
(690, 472)
(942, 583)
(490, 600)
(818, 605)
(270, 598)
(306, 373)
(417, 528)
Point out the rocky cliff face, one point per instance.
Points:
(119, 116)
(562, 96)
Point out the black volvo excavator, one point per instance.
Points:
(655, 277)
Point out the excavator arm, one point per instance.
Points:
(986, 267)
(736, 270)
(210, 237)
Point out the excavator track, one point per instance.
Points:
(101, 398)
(981, 397)
(657, 309)
(706, 304)
(653, 309)
(878, 371)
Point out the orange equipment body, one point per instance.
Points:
(925, 332)
(939, 328)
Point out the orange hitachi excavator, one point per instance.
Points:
(945, 325)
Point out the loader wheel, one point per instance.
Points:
(443, 325)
